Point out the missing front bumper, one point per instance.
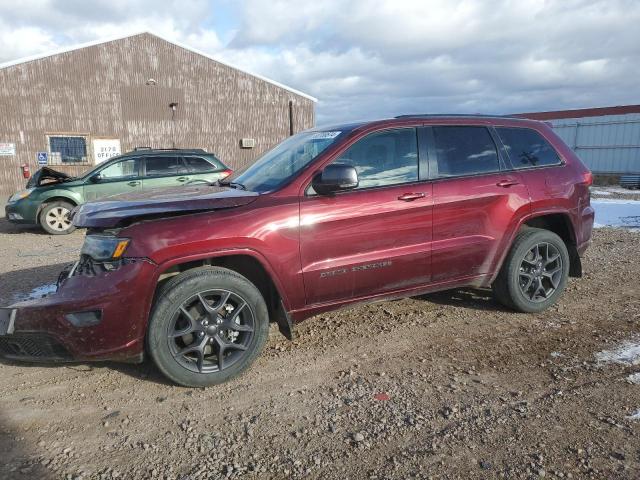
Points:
(99, 316)
(33, 347)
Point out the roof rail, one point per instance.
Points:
(149, 149)
(427, 115)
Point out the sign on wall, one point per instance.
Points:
(43, 158)
(105, 148)
(7, 148)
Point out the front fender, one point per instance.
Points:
(212, 255)
(60, 194)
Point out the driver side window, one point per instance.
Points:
(384, 158)
(123, 169)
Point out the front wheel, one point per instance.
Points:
(534, 273)
(208, 325)
(54, 218)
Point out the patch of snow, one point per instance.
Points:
(556, 355)
(634, 378)
(625, 191)
(634, 416)
(38, 292)
(617, 213)
(628, 353)
(602, 193)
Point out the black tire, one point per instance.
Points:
(54, 218)
(530, 284)
(181, 301)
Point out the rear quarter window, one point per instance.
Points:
(202, 165)
(527, 148)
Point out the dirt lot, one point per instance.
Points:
(450, 385)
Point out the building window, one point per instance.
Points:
(67, 149)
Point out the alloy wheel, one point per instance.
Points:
(540, 272)
(211, 331)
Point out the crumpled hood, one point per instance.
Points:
(47, 176)
(123, 209)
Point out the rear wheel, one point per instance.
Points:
(534, 273)
(54, 218)
(208, 325)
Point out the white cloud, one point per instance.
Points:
(373, 58)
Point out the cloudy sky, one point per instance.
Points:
(376, 58)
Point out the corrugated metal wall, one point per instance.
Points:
(606, 144)
(102, 91)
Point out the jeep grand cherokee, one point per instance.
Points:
(328, 218)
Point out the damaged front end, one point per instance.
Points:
(101, 306)
(98, 312)
(47, 176)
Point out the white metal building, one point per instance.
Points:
(606, 139)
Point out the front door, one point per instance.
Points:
(119, 177)
(376, 238)
(475, 201)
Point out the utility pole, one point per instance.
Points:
(173, 106)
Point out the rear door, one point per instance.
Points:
(475, 201)
(376, 238)
(164, 171)
(122, 176)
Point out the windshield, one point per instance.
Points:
(284, 162)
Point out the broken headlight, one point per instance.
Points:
(20, 195)
(103, 248)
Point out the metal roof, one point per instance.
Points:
(51, 53)
(580, 112)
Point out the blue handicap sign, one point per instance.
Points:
(42, 158)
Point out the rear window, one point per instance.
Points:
(465, 151)
(201, 165)
(527, 148)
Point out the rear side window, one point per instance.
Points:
(527, 148)
(201, 165)
(465, 151)
(384, 158)
(161, 166)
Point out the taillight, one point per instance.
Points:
(226, 173)
(587, 178)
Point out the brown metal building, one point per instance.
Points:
(81, 105)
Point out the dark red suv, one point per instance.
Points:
(328, 218)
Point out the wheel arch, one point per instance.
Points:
(55, 198)
(248, 263)
(556, 221)
(559, 223)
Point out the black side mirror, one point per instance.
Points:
(97, 178)
(334, 178)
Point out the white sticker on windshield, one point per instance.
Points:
(324, 135)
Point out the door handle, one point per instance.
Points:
(133, 183)
(408, 197)
(182, 179)
(507, 183)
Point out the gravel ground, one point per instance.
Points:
(448, 385)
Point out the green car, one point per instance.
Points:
(51, 195)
